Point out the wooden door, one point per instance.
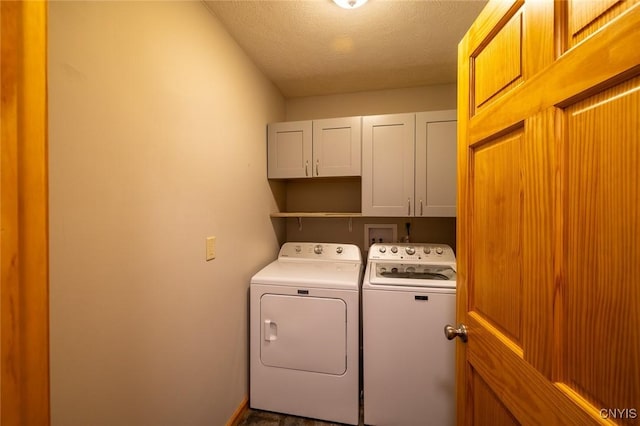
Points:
(435, 163)
(337, 146)
(388, 165)
(289, 150)
(24, 307)
(549, 214)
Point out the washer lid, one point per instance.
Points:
(412, 274)
(333, 275)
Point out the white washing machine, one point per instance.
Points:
(408, 296)
(304, 332)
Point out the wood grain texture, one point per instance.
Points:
(603, 255)
(539, 39)
(607, 57)
(487, 408)
(588, 17)
(498, 67)
(539, 169)
(24, 257)
(529, 396)
(582, 13)
(577, 167)
(237, 415)
(464, 394)
(495, 283)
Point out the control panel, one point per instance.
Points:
(408, 251)
(321, 251)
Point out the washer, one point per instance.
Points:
(408, 295)
(304, 332)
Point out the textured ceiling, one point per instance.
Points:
(314, 47)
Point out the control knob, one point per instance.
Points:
(394, 249)
(382, 249)
(339, 250)
(410, 251)
(317, 249)
(439, 250)
(427, 250)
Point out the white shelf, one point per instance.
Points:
(316, 214)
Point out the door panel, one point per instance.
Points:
(549, 219)
(587, 17)
(487, 407)
(498, 66)
(497, 203)
(602, 257)
(304, 333)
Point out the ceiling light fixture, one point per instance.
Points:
(349, 4)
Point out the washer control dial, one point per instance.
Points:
(382, 249)
(439, 250)
(338, 250)
(410, 251)
(317, 249)
(394, 249)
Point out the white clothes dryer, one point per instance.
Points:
(408, 295)
(304, 332)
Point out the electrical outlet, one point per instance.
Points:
(211, 248)
(380, 233)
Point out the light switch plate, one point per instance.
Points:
(211, 248)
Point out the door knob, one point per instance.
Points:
(451, 333)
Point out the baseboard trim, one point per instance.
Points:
(237, 415)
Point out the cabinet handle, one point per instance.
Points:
(317, 164)
(306, 168)
(408, 206)
(421, 207)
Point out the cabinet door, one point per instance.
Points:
(337, 147)
(388, 165)
(436, 163)
(289, 150)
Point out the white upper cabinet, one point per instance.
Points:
(388, 165)
(337, 147)
(436, 163)
(289, 150)
(409, 164)
(319, 148)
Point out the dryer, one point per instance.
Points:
(408, 295)
(304, 332)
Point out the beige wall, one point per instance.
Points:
(427, 98)
(157, 140)
(344, 194)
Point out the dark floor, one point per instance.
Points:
(267, 418)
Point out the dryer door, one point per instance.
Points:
(304, 333)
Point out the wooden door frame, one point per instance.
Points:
(24, 293)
